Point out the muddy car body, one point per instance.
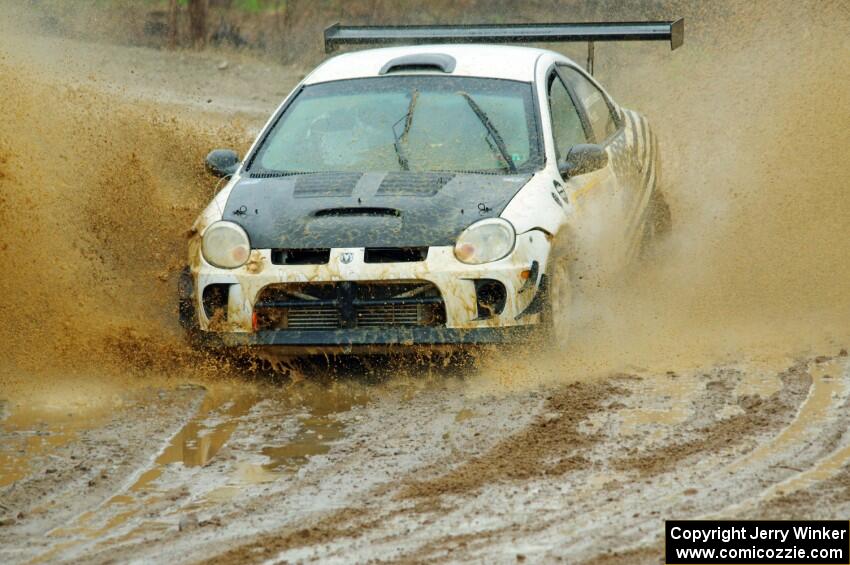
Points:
(422, 195)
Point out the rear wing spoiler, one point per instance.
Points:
(673, 31)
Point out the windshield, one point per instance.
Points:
(404, 123)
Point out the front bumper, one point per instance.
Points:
(454, 280)
(376, 337)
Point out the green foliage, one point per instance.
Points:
(249, 5)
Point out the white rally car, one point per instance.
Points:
(429, 194)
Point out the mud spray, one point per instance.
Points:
(96, 193)
(752, 118)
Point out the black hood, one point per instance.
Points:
(397, 209)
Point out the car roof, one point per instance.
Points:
(492, 61)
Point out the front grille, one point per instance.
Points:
(395, 315)
(307, 318)
(395, 254)
(327, 306)
(316, 256)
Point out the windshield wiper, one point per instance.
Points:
(491, 129)
(399, 139)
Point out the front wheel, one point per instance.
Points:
(658, 223)
(556, 314)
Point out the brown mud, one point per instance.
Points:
(710, 382)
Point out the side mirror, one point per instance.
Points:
(222, 162)
(583, 158)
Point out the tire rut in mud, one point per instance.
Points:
(704, 433)
(461, 497)
(551, 445)
(521, 456)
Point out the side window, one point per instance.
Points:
(598, 111)
(566, 123)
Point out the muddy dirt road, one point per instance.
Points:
(418, 468)
(713, 383)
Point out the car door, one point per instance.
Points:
(607, 129)
(593, 195)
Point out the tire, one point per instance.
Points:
(556, 310)
(185, 301)
(658, 223)
(187, 315)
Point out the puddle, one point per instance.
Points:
(194, 445)
(757, 383)
(602, 479)
(825, 469)
(313, 438)
(318, 427)
(197, 443)
(203, 436)
(671, 396)
(634, 417)
(317, 430)
(222, 494)
(33, 431)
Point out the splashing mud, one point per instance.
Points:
(750, 114)
(95, 194)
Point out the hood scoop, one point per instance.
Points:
(355, 211)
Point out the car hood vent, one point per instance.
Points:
(319, 185)
(399, 209)
(413, 184)
(357, 211)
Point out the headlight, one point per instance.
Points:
(485, 241)
(226, 245)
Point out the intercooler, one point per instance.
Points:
(325, 306)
